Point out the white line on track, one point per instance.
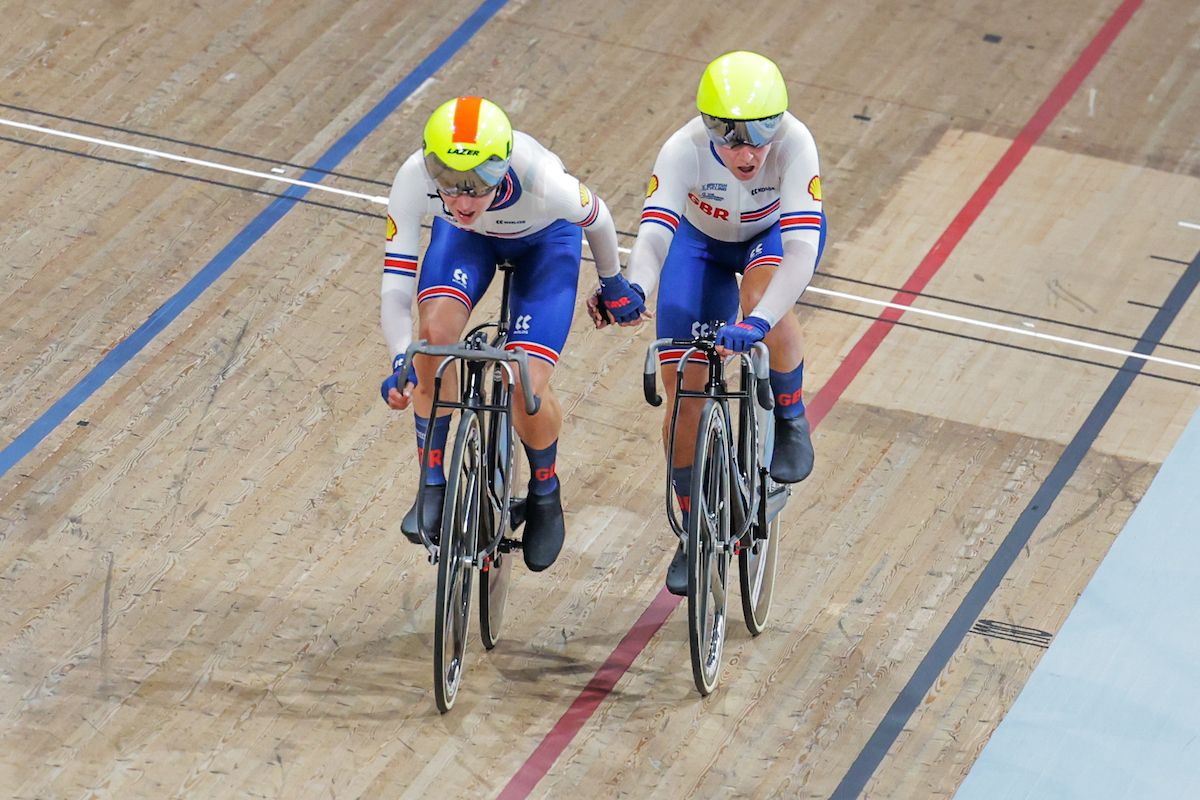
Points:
(186, 160)
(811, 289)
(1006, 328)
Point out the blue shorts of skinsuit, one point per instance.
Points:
(460, 264)
(699, 281)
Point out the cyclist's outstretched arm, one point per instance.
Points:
(405, 207)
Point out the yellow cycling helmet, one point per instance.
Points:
(468, 144)
(741, 99)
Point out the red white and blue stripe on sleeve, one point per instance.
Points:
(592, 216)
(801, 221)
(401, 265)
(662, 216)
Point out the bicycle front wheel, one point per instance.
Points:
(708, 546)
(457, 545)
(495, 578)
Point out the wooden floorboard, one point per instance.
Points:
(203, 589)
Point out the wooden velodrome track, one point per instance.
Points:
(203, 589)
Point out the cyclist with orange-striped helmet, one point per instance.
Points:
(494, 194)
(735, 198)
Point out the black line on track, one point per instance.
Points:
(211, 182)
(1021, 348)
(187, 143)
(999, 310)
(857, 281)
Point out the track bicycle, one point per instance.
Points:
(479, 509)
(735, 504)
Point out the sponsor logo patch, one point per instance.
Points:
(814, 188)
(716, 212)
(585, 197)
(653, 187)
(391, 228)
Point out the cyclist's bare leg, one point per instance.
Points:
(540, 430)
(689, 412)
(680, 462)
(441, 320)
(545, 529)
(793, 458)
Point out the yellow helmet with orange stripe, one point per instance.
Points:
(468, 146)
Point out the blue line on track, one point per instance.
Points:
(125, 350)
(956, 629)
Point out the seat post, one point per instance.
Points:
(506, 269)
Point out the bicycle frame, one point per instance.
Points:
(751, 497)
(473, 355)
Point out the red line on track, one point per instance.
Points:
(621, 658)
(944, 246)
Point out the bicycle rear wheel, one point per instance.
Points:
(756, 570)
(458, 543)
(756, 563)
(708, 541)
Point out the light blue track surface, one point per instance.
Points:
(1113, 709)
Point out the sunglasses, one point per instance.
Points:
(733, 132)
(476, 182)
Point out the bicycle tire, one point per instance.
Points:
(708, 533)
(494, 581)
(457, 547)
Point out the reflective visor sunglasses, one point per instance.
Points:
(473, 183)
(734, 132)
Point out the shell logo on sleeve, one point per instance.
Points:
(391, 228)
(653, 187)
(814, 188)
(585, 197)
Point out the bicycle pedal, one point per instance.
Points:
(508, 545)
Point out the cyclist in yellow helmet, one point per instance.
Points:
(494, 194)
(735, 192)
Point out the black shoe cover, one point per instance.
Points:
(544, 529)
(431, 504)
(793, 457)
(677, 573)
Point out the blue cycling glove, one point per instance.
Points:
(740, 337)
(624, 301)
(397, 379)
